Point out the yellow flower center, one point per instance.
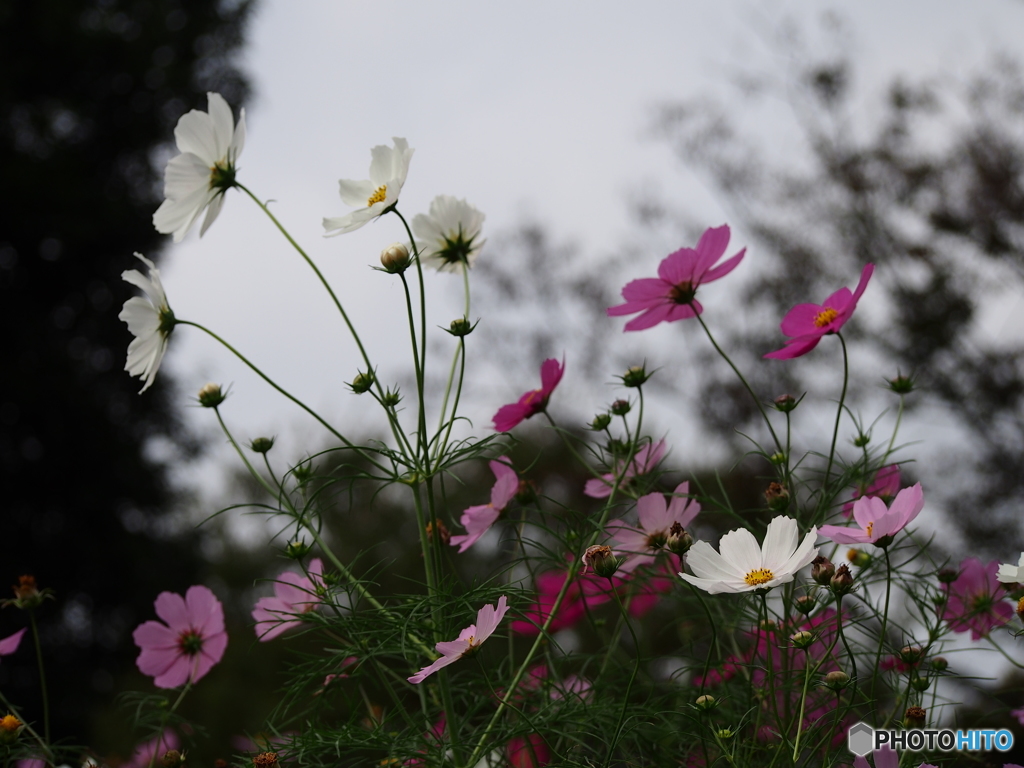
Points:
(9, 723)
(758, 577)
(825, 317)
(378, 196)
(870, 528)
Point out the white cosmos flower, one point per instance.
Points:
(449, 237)
(374, 196)
(743, 566)
(1011, 574)
(150, 320)
(197, 179)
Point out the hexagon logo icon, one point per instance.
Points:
(860, 739)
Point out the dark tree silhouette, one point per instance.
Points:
(89, 98)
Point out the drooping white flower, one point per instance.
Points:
(449, 236)
(197, 179)
(150, 320)
(374, 196)
(1011, 574)
(744, 566)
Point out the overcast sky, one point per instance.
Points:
(538, 110)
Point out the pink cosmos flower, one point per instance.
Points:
(534, 401)
(528, 752)
(656, 518)
(10, 643)
(487, 620)
(1019, 714)
(975, 599)
(645, 460)
(807, 323)
(294, 595)
(885, 486)
(190, 643)
(156, 747)
(670, 295)
(878, 524)
(478, 520)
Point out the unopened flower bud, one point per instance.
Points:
(724, 733)
(837, 680)
(822, 570)
(442, 532)
(842, 582)
(902, 385)
(915, 717)
(635, 376)
(786, 403)
(297, 549)
(620, 407)
(303, 472)
(10, 729)
(911, 654)
(172, 759)
(461, 326)
(27, 594)
(920, 683)
(362, 382)
(526, 493)
(600, 422)
(778, 459)
(265, 760)
(211, 395)
(678, 541)
(705, 703)
(600, 560)
(861, 440)
(806, 604)
(395, 258)
(777, 497)
(767, 625)
(391, 398)
(948, 575)
(858, 557)
(262, 444)
(802, 639)
(939, 663)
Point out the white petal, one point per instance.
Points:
(184, 174)
(212, 211)
(195, 133)
(779, 543)
(803, 554)
(708, 564)
(739, 548)
(348, 223)
(238, 140)
(223, 124)
(356, 193)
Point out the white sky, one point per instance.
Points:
(523, 108)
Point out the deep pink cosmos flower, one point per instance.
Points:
(670, 295)
(534, 401)
(487, 620)
(294, 595)
(885, 486)
(975, 599)
(477, 520)
(645, 460)
(877, 524)
(656, 519)
(190, 643)
(807, 323)
(10, 643)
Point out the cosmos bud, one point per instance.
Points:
(600, 560)
(822, 570)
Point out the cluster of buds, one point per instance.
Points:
(600, 560)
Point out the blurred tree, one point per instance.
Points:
(88, 102)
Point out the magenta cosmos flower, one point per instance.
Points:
(807, 323)
(877, 523)
(190, 643)
(975, 600)
(656, 519)
(644, 462)
(10, 644)
(534, 401)
(294, 595)
(670, 295)
(478, 520)
(487, 620)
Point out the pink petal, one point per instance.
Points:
(799, 321)
(712, 245)
(211, 653)
(550, 374)
(156, 661)
(205, 612)
(678, 267)
(507, 483)
(842, 535)
(650, 318)
(10, 643)
(683, 311)
(154, 635)
(599, 488)
(177, 674)
(794, 348)
(865, 276)
(509, 417)
(724, 268)
(653, 513)
(908, 504)
(646, 291)
(172, 609)
(489, 617)
(427, 671)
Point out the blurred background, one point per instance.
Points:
(827, 135)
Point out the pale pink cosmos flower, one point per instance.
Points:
(534, 401)
(487, 620)
(148, 751)
(294, 595)
(190, 643)
(10, 643)
(478, 520)
(807, 323)
(645, 460)
(875, 521)
(886, 485)
(975, 600)
(656, 519)
(670, 295)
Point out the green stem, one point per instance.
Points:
(895, 429)
(632, 676)
(803, 702)
(839, 413)
(42, 675)
(163, 723)
(885, 619)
